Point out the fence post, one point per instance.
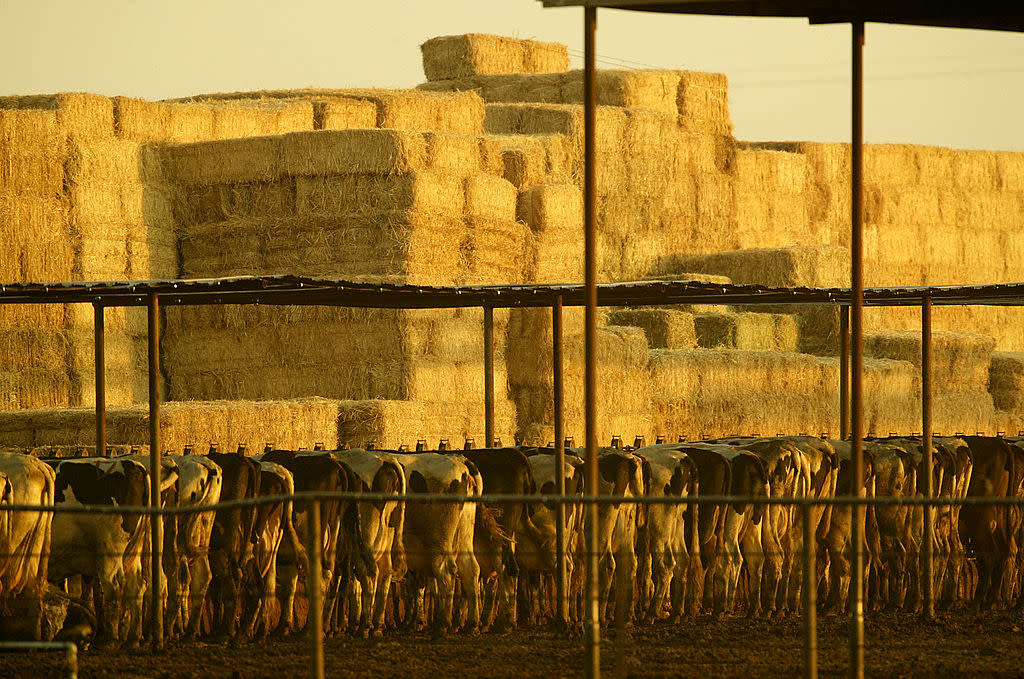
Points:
(926, 450)
(561, 571)
(488, 377)
(156, 521)
(810, 587)
(314, 616)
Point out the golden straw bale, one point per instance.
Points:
(1010, 166)
(490, 196)
(226, 161)
(958, 358)
(422, 191)
(557, 119)
(748, 331)
(37, 244)
(141, 120)
(258, 118)
(390, 424)
(32, 153)
(458, 56)
(329, 152)
(654, 90)
(34, 387)
(703, 102)
(510, 87)
(794, 266)
(343, 114)
(554, 212)
(79, 114)
(459, 153)
(665, 328)
(1006, 381)
(975, 170)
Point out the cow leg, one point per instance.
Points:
(198, 584)
(444, 582)
(134, 593)
(753, 557)
(662, 567)
(469, 574)
(289, 584)
(381, 596)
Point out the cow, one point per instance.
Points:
(199, 485)
(25, 535)
(537, 551)
(788, 477)
(506, 471)
(895, 472)
(836, 580)
(168, 498)
(273, 525)
(231, 538)
(620, 474)
(984, 528)
(437, 545)
(954, 582)
(666, 546)
(103, 546)
(313, 471)
(378, 554)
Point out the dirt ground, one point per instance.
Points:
(960, 645)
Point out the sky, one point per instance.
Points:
(788, 79)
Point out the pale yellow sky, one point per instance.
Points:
(788, 79)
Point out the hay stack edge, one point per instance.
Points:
(475, 177)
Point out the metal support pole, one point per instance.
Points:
(488, 377)
(844, 373)
(561, 570)
(810, 587)
(857, 355)
(101, 380)
(592, 633)
(926, 450)
(314, 593)
(155, 520)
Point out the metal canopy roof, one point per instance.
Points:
(298, 290)
(983, 14)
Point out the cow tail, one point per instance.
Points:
(399, 565)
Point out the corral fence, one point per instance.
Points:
(310, 502)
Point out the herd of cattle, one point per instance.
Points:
(234, 571)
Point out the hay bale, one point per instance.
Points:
(329, 152)
(37, 243)
(960, 361)
(32, 153)
(747, 331)
(456, 153)
(390, 424)
(344, 114)
(259, 118)
(1006, 381)
(490, 196)
(769, 195)
(794, 266)
(703, 103)
(664, 328)
(141, 120)
(554, 213)
(458, 56)
(225, 161)
(79, 114)
(425, 191)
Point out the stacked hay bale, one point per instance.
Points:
(793, 266)
(297, 423)
(700, 392)
(36, 246)
(360, 204)
(960, 374)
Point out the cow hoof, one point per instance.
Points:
(471, 630)
(377, 633)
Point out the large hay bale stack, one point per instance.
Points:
(1006, 381)
(458, 56)
(749, 331)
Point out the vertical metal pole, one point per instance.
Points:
(592, 633)
(561, 570)
(155, 520)
(844, 372)
(810, 587)
(926, 448)
(101, 380)
(857, 356)
(314, 615)
(488, 377)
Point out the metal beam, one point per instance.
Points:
(488, 377)
(810, 588)
(926, 452)
(100, 380)
(592, 633)
(156, 522)
(314, 591)
(561, 569)
(844, 373)
(857, 355)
